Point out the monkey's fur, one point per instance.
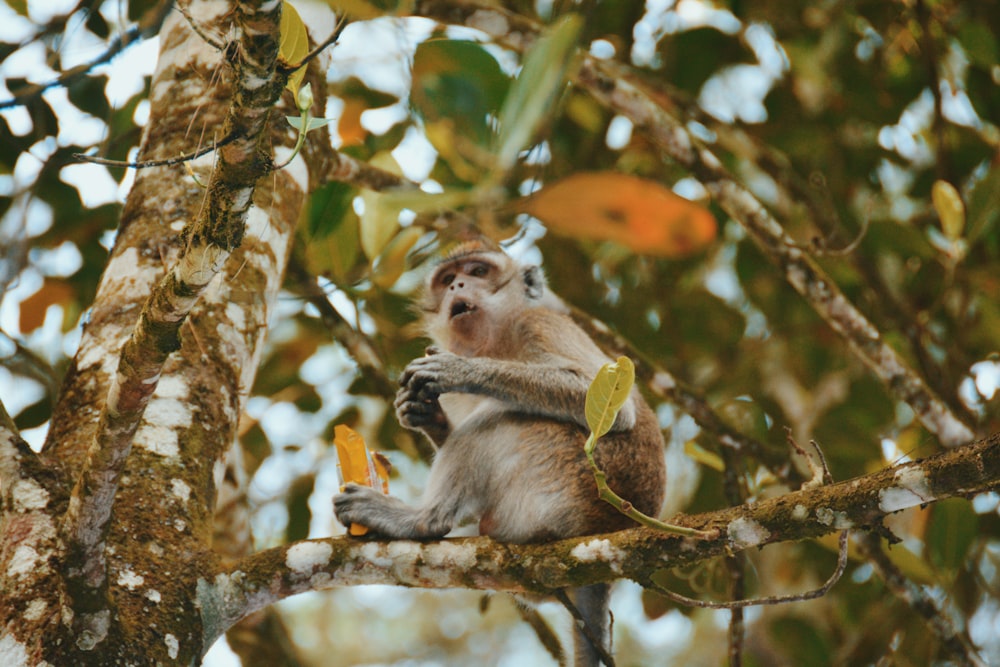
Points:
(504, 403)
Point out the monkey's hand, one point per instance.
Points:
(422, 414)
(384, 515)
(423, 381)
(437, 373)
(359, 504)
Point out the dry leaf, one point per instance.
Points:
(357, 464)
(636, 212)
(349, 127)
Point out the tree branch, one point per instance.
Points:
(481, 563)
(612, 85)
(149, 25)
(165, 162)
(955, 641)
(15, 456)
(210, 240)
(347, 169)
(663, 384)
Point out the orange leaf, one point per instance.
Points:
(33, 308)
(349, 127)
(636, 212)
(356, 464)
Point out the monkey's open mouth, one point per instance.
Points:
(461, 307)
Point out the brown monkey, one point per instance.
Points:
(503, 401)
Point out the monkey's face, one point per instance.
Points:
(470, 301)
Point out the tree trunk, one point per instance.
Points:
(159, 540)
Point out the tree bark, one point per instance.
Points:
(99, 565)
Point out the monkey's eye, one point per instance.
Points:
(477, 270)
(447, 278)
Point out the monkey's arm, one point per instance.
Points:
(555, 388)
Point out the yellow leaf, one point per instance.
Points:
(293, 46)
(706, 458)
(392, 262)
(638, 213)
(356, 464)
(380, 219)
(608, 393)
(950, 209)
(352, 455)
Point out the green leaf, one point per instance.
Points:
(952, 530)
(534, 92)
(330, 233)
(701, 455)
(980, 44)
(358, 9)
(294, 45)
(459, 81)
(299, 514)
(329, 205)
(984, 204)
(312, 124)
(608, 393)
(316, 123)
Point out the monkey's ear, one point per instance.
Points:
(534, 282)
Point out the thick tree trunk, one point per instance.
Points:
(144, 573)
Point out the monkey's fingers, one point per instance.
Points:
(417, 414)
(435, 367)
(353, 505)
(410, 395)
(430, 391)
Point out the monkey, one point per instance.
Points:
(501, 396)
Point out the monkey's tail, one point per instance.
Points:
(592, 623)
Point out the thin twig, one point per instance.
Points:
(827, 478)
(772, 600)
(332, 39)
(166, 162)
(196, 27)
(736, 493)
(821, 248)
(952, 638)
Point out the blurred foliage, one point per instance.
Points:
(839, 116)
